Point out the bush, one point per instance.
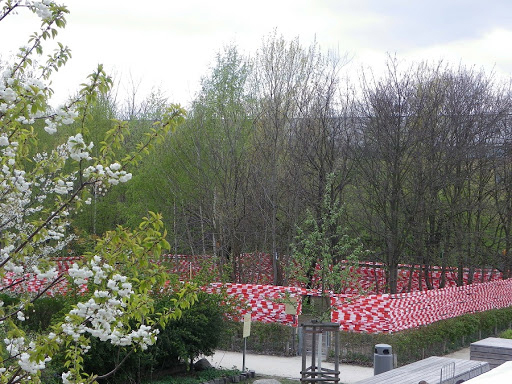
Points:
(8, 299)
(45, 311)
(198, 331)
(267, 338)
(506, 334)
(202, 328)
(435, 339)
(411, 345)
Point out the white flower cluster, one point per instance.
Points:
(143, 336)
(41, 8)
(99, 316)
(63, 187)
(16, 348)
(11, 267)
(65, 377)
(13, 208)
(30, 84)
(77, 148)
(5, 251)
(112, 174)
(62, 116)
(8, 94)
(21, 316)
(24, 196)
(9, 150)
(50, 274)
(79, 275)
(31, 366)
(16, 189)
(25, 91)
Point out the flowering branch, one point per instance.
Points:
(38, 193)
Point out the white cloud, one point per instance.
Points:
(171, 44)
(489, 52)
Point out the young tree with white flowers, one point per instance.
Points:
(38, 195)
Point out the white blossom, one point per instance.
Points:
(21, 316)
(50, 274)
(8, 95)
(16, 269)
(65, 377)
(13, 346)
(77, 148)
(115, 167)
(125, 178)
(79, 275)
(42, 10)
(51, 126)
(31, 366)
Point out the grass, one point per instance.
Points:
(506, 334)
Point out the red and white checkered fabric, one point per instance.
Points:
(373, 313)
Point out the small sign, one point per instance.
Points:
(247, 325)
(290, 307)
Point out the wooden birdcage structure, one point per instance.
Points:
(315, 373)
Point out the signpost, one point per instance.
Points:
(246, 334)
(290, 306)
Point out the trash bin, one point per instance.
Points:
(382, 359)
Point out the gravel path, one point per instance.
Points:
(279, 366)
(290, 367)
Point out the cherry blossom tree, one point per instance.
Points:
(39, 192)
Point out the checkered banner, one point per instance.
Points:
(370, 313)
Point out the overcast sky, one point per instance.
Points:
(171, 44)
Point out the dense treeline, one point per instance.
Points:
(420, 160)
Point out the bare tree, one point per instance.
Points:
(281, 69)
(299, 133)
(502, 192)
(388, 146)
(472, 112)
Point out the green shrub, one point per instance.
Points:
(8, 299)
(45, 311)
(435, 339)
(268, 338)
(410, 345)
(103, 357)
(197, 332)
(506, 334)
